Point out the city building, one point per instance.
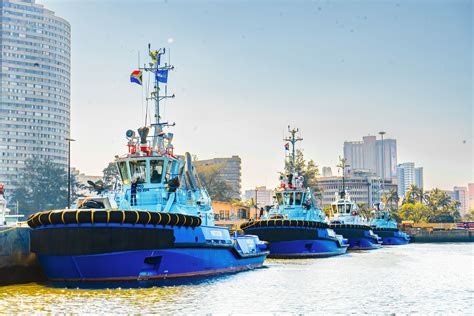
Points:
(231, 172)
(232, 214)
(408, 175)
(419, 177)
(461, 195)
(261, 195)
(326, 172)
(363, 187)
(35, 86)
(368, 155)
(470, 188)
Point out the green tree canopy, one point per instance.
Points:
(218, 189)
(435, 206)
(309, 170)
(391, 199)
(42, 185)
(469, 215)
(110, 173)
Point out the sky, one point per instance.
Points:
(245, 70)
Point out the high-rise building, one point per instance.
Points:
(35, 86)
(326, 172)
(363, 187)
(419, 177)
(230, 172)
(461, 195)
(408, 175)
(368, 155)
(261, 195)
(470, 188)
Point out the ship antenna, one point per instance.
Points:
(160, 75)
(343, 165)
(293, 139)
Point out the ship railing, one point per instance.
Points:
(159, 196)
(154, 196)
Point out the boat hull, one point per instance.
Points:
(392, 237)
(359, 238)
(127, 252)
(143, 265)
(298, 242)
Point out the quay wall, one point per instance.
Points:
(441, 235)
(17, 263)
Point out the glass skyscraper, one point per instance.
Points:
(35, 86)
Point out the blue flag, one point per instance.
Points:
(161, 75)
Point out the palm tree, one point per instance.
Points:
(363, 210)
(411, 194)
(391, 198)
(420, 194)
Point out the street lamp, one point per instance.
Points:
(69, 140)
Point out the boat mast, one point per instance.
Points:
(293, 139)
(342, 164)
(155, 68)
(382, 187)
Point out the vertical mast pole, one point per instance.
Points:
(383, 168)
(293, 140)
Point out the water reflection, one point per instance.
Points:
(414, 278)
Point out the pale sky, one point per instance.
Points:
(338, 70)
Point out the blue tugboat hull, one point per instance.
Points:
(359, 238)
(392, 237)
(306, 249)
(127, 252)
(146, 265)
(297, 241)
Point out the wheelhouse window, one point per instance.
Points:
(289, 198)
(340, 209)
(348, 208)
(169, 171)
(279, 198)
(298, 198)
(122, 167)
(156, 171)
(334, 208)
(138, 170)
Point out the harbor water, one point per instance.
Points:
(425, 278)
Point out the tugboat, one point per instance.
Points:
(347, 221)
(295, 227)
(386, 228)
(156, 224)
(382, 223)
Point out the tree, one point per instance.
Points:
(434, 207)
(328, 211)
(218, 189)
(42, 185)
(363, 210)
(417, 213)
(110, 173)
(412, 195)
(391, 199)
(469, 215)
(309, 170)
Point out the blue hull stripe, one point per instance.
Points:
(146, 264)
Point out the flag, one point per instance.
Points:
(155, 56)
(287, 146)
(136, 76)
(161, 75)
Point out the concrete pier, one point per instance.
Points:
(17, 263)
(439, 235)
